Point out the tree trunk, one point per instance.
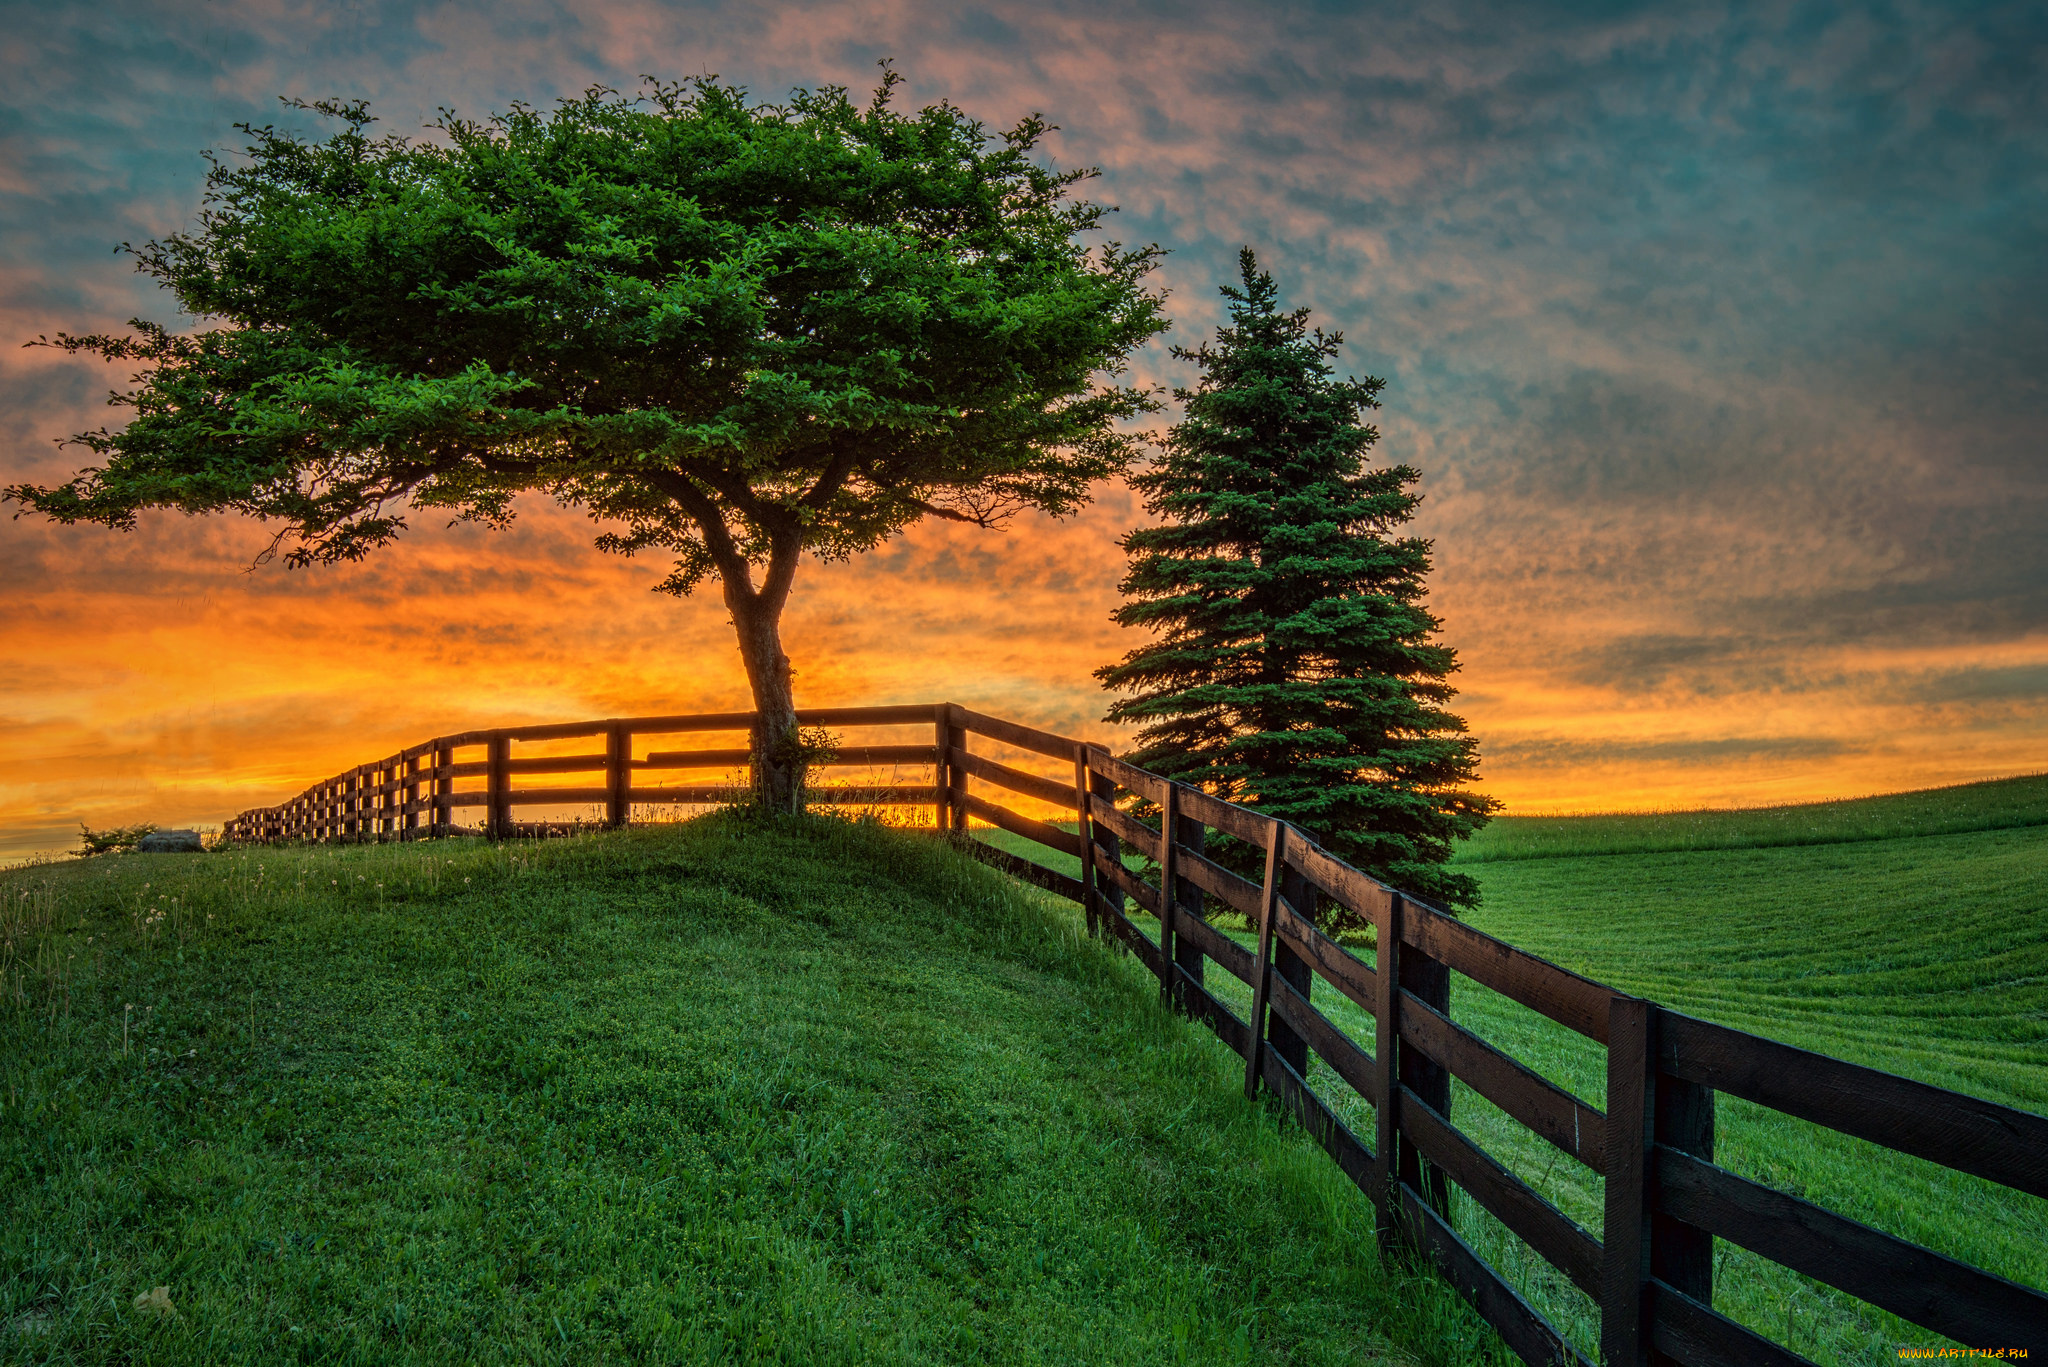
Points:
(777, 771)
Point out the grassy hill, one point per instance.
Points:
(811, 1093)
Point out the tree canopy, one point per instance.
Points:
(732, 332)
(1294, 667)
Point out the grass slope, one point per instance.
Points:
(1908, 933)
(812, 1093)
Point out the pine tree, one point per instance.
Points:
(1295, 667)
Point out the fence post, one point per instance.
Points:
(618, 774)
(1187, 898)
(1084, 828)
(412, 795)
(956, 779)
(444, 783)
(1645, 1108)
(1386, 931)
(1169, 867)
(499, 782)
(1430, 983)
(1681, 1255)
(1102, 791)
(1625, 1230)
(1293, 969)
(1276, 842)
(940, 764)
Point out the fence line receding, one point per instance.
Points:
(1650, 1269)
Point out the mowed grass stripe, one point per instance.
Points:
(1994, 805)
(815, 1092)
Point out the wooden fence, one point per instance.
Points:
(1650, 1269)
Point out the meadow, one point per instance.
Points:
(811, 1091)
(1907, 932)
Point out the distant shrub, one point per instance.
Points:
(109, 841)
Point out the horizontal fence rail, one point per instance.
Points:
(1650, 1268)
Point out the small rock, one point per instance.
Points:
(31, 1322)
(156, 1301)
(171, 842)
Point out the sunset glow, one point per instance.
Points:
(1726, 402)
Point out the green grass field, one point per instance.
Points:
(814, 1092)
(1908, 933)
(2002, 804)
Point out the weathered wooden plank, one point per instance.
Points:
(1262, 967)
(1021, 868)
(1140, 891)
(1338, 1049)
(1696, 1336)
(1337, 966)
(713, 795)
(1120, 925)
(500, 786)
(1240, 894)
(1360, 892)
(695, 759)
(618, 774)
(1084, 826)
(906, 714)
(1958, 1131)
(1386, 1100)
(1127, 827)
(897, 714)
(1317, 1118)
(1052, 837)
(1549, 1110)
(1010, 733)
(1967, 1304)
(566, 730)
(1168, 856)
(1531, 1337)
(1570, 1000)
(1681, 1254)
(1215, 1015)
(1057, 792)
(847, 756)
(1625, 1226)
(1231, 956)
(1141, 782)
(699, 721)
(1557, 1239)
(1242, 822)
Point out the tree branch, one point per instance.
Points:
(732, 565)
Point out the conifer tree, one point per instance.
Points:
(1295, 668)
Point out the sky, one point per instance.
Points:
(1718, 334)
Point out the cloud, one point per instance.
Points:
(1718, 335)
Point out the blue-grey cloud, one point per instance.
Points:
(1719, 332)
